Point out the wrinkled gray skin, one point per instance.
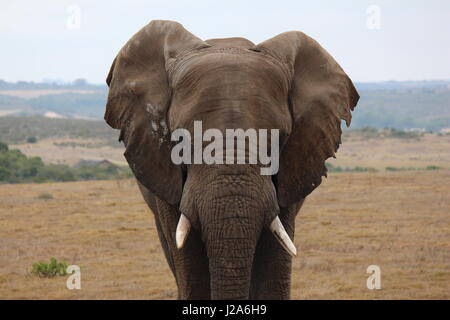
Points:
(164, 78)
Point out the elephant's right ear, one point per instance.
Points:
(321, 94)
(138, 101)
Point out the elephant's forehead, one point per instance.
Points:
(236, 68)
(246, 87)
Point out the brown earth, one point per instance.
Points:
(397, 220)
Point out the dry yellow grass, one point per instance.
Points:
(54, 150)
(380, 153)
(399, 221)
(375, 153)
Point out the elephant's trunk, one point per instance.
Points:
(230, 206)
(230, 246)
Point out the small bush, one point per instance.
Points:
(3, 146)
(361, 169)
(45, 196)
(367, 133)
(369, 129)
(401, 169)
(52, 269)
(31, 140)
(394, 133)
(332, 168)
(431, 167)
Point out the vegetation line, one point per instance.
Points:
(15, 167)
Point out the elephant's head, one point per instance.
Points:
(165, 78)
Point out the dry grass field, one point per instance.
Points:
(71, 151)
(430, 149)
(397, 220)
(379, 153)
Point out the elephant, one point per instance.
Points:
(226, 230)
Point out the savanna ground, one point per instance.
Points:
(356, 150)
(397, 220)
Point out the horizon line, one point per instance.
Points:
(59, 82)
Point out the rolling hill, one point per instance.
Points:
(392, 104)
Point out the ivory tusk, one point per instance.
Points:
(183, 228)
(281, 235)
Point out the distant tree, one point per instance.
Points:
(3, 146)
(80, 82)
(3, 84)
(22, 85)
(31, 140)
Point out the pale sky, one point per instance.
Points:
(372, 40)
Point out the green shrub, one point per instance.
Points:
(332, 168)
(369, 129)
(394, 133)
(360, 169)
(401, 169)
(52, 269)
(3, 146)
(31, 140)
(45, 196)
(15, 167)
(431, 167)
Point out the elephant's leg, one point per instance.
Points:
(193, 277)
(271, 273)
(189, 264)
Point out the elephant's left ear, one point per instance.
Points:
(321, 94)
(138, 101)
